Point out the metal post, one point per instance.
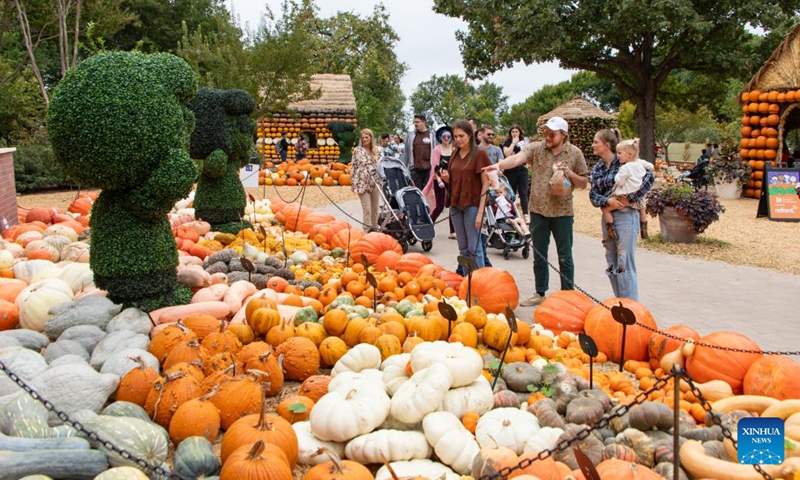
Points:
(676, 458)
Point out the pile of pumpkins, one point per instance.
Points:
(302, 172)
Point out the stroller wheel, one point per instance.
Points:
(412, 241)
(506, 252)
(427, 245)
(404, 246)
(526, 252)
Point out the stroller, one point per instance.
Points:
(405, 214)
(697, 175)
(501, 235)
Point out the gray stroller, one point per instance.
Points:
(501, 235)
(405, 214)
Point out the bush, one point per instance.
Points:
(35, 165)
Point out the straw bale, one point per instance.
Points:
(782, 70)
(336, 95)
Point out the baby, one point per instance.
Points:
(508, 213)
(628, 180)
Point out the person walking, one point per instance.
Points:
(420, 143)
(436, 190)
(469, 184)
(364, 178)
(518, 177)
(621, 250)
(551, 211)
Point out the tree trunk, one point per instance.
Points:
(645, 115)
(76, 34)
(26, 35)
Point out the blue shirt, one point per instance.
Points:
(602, 180)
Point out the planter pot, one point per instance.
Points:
(728, 189)
(675, 228)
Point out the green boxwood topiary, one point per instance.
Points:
(345, 135)
(118, 122)
(222, 140)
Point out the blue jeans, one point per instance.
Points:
(467, 235)
(482, 253)
(621, 253)
(561, 229)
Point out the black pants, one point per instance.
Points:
(519, 178)
(420, 176)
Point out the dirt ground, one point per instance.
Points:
(738, 237)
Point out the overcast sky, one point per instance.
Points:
(427, 43)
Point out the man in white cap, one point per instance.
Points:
(551, 210)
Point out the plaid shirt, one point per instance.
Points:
(602, 181)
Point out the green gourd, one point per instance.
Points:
(74, 464)
(194, 458)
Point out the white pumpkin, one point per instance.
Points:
(78, 276)
(308, 444)
(35, 301)
(476, 397)
(340, 416)
(6, 259)
(60, 230)
(544, 440)
(393, 377)
(506, 427)
(421, 394)
(36, 245)
(418, 468)
(400, 359)
(22, 361)
(464, 363)
(395, 445)
(453, 443)
(358, 358)
(27, 269)
(346, 381)
(77, 252)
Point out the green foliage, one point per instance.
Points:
(223, 140)
(625, 119)
(598, 91)
(118, 122)
(673, 124)
(700, 207)
(35, 166)
(729, 167)
(634, 44)
(447, 98)
(345, 135)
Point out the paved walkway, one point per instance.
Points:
(708, 296)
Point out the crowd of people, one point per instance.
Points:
(456, 168)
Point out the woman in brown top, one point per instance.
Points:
(468, 187)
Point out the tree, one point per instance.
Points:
(634, 44)
(447, 98)
(586, 84)
(673, 124)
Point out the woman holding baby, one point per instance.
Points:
(620, 193)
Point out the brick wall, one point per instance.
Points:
(8, 190)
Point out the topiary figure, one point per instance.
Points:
(345, 135)
(222, 139)
(118, 121)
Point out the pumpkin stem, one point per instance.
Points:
(138, 359)
(255, 452)
(209, 394)
(174, 376)
(223, 325)
(263, 422)
(233, 362)
(337, 466)
(388, 467)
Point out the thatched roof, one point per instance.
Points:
(574, 109)
(782, 70)
(337, 95)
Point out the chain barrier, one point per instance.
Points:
(661, 332)
(715, 418)
(156, 470)
(566, 443)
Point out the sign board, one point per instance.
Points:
(779, 195)
(249, 175)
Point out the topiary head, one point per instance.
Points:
(113, 118)
(223, 122)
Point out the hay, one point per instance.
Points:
(336, 95)
(782, 70)
(576, 109)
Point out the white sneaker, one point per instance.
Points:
(527, 218)
(536, 299)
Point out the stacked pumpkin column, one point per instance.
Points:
(326, 151)
(762, 112)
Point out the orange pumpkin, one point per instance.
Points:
(607, 332)
(563, 311)
(9, 315)
(412, 262)
(660, 345)
(774, 376)
(372, 245)
(387, 260)
(492, 288)
(315, 386)
(294, 409)
(708, 363)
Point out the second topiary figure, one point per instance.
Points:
(222, 140)
(345, 135)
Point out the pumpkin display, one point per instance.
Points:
(261, 427)
(492, 288)
(412, 262)
(453, 443)
(257, 461)
(296, 408)
(135, 385)
(315, 386)
(661, 345)
(238, 397)
(340, 416)
(195, 458)
(372, 245)
(176, 388)
(9, 315)
(563, 311)
(300, 358)
(421, 394)
(607, 332)
(774, 376)
(336, 468)
(270, 369)
(704, 363)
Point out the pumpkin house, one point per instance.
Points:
(584, 120)
(310, 118)
(769, 106)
